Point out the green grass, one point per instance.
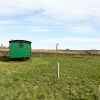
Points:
(36, 79)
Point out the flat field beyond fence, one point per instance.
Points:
(43, 52)
(36, 79)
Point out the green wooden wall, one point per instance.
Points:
(19, 52)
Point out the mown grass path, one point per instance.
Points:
(36, 79)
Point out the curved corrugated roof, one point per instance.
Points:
(19, 41)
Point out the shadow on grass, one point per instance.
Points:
(7, 59)
(19, 59)
(4, 59)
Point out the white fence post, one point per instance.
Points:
(99, 93)
(58, 70)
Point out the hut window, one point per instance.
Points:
(21, 44)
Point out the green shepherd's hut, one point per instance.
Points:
(20, 49)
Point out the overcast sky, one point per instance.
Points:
(73, 24)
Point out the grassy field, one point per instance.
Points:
(36, 79)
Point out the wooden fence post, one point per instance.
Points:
(99, 93)
(58, 70)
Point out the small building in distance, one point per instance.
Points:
(19, 49)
